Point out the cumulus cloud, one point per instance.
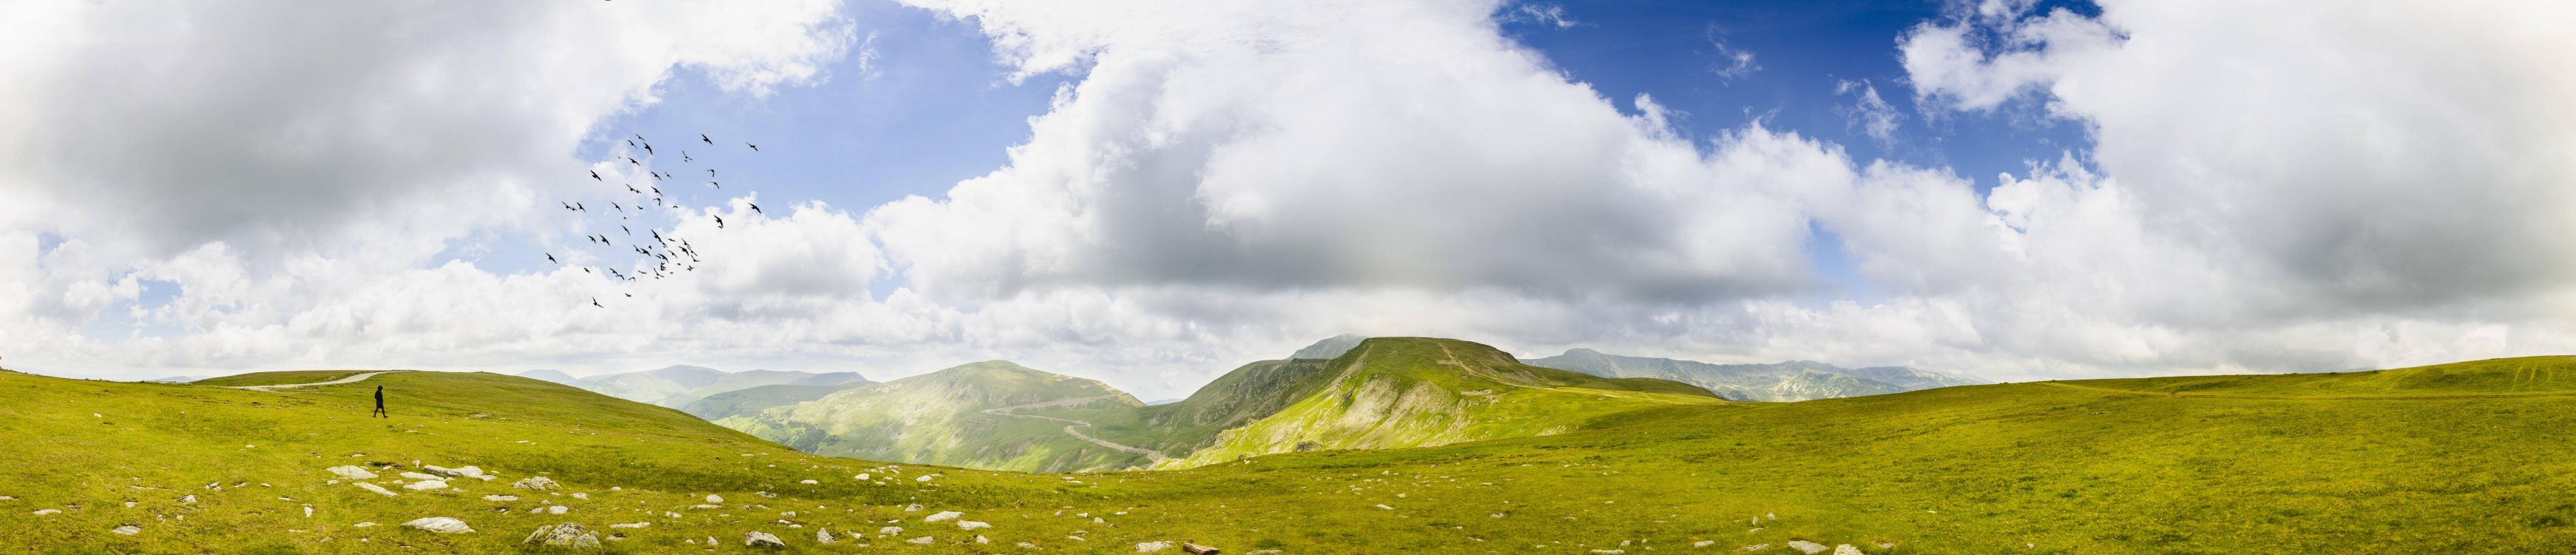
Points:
(1868, 112)
(1221, 182)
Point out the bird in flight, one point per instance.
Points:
(594, 301)
(629, 232)
(648, 148)
(711, 172)
(684, 157)
(719, 222)
(755, 208)
(754, 147)
(594, 174)
(703, 137)
(631, 189)
(550, 257)
(717, 185)
(631, 160)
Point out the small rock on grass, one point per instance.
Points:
(758, 539)
(942, 515)
(1151, 547)
(128, 530)
(535, 483)
(1846, 549)
(924, 540)
(439, 524)
(1808, 547)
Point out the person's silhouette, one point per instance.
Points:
(380, 404)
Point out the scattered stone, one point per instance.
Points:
(713, 498)
(571, 535)
(980, 539)
(889, 530)
(1703, 543)
(558, 509)
(439, 524)
(631, 525)
(1153, 546)
(1808, 547)
(501, 498)
(924, 540)
(861, 477)
(48, 511)
(912, 508)
(824, 536)
(128, 530)
(353, 472)
(1756, 547)
(942, 515)
(1383, 506)
(188, 499)
(539, 483)
(581, 496)
(362, 525)
(922, 479)
(308, 511)
(419, 476)
(1609, 551)
(972, 525)
(7, 498)
(1846, 549)
(758, 539)
(807, 482)
(425, 485)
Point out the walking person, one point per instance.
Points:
(380, 404)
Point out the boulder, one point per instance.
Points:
(823, 535)
(353, 472)
(571, 535)
(439, 524)
(942, 515)
(539, 483)
(1808, 547)
(762, 540)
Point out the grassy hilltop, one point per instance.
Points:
(2461, 458)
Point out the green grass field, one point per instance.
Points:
(2463, 458)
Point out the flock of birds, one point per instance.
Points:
(668, 255)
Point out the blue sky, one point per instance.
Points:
(1152, 192)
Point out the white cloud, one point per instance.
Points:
(1732, 63)
(1869, 113)
(1223, 182)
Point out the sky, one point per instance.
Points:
(1152, 193)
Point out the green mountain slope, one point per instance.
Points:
(755, 399)
(1238, 398)
(2442, 459)
(1415, 392)
(957, 416)
(1795, 380)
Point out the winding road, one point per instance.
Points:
(276, 387)
(1156, 456)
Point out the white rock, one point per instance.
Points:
(558, 509)
(942, 515)
(1703, 543)
(758, 539)
(535, 483)
(362, 525)
(972, 525)
(912, 508)
(631, 525)
(922, 479)
(1150, 547)
(419, 476)
(308, 511)
(1383, 506)
(807, 482)
(823, 535)
(439, 524)
(924, 540)
(1609, 551)
(861, 477)
(1846, 549)
(128, 530)
(503, 498)
(353, 472)
(425, 485)
(48, 511)
(889, 530)
(980, 539)
(188, 499)
(713, 498)
(374, 488)
(581, 496)
(1808, 547)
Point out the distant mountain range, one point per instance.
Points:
(1795, 380)
(1344, 392)
(678, 386)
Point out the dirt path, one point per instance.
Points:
(2105, 390)
(349, 379)
(1156, 456)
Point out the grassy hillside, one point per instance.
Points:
(1239, 397)
(946, 417)
(755, 399)
(1412, 392)
(2443, 459)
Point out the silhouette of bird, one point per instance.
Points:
(594, 301)
(755, 209)
(631, 160)
(648, 148)
(719, 222)
(550, 257)
(585, 270)
(711, 172)
(717, 185)
(630, 144)
(754, 147)
(594, 174)
(657, 191)
(684, 157)
(629, 232)
(703, 137)
(631, 189)
(567, 206)
(578, 206)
